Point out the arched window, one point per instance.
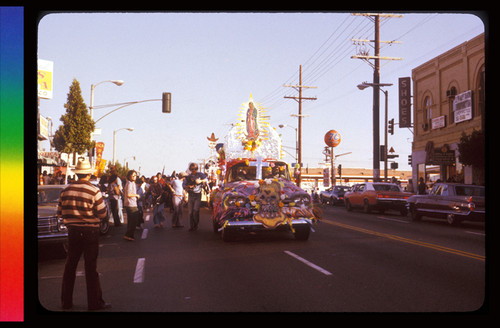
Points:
(480, 93)
(427, 109)
(451, 96)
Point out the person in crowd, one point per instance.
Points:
(114, 198)
(120, 198)
(421, 187)
(130, 197)
(179, 195)
(140, 201)
(82, 207)
(156, 190)
(193, 184)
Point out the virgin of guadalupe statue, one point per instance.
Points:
(251, 122)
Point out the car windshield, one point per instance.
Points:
(49, 195)
(385, 187)
(241, 171)
(469, 191)
(341, 188)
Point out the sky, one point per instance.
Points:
(212, 62)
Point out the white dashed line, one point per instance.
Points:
(139, 271)
(312, 265)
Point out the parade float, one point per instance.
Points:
(255, 192)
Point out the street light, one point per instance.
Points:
(114, 139)
(365, 85)
(91, 108)
(296, 139)
(92, 87)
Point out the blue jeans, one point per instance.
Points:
(158, 213)
(194, 204)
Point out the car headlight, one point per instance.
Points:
(60, 225)
(302, 199)
(239, 201)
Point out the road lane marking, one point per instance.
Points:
(390, 219)
(139, 271)
(411, 241)
(312, 265)
(144, 234)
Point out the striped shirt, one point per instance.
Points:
(81, 204)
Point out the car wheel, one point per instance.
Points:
(348, 206)
(415, 216)
(228, 234)
(332, 202)
(452, 219)
(104, 227)
(366, 206)
(302, 232)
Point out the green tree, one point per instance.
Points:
(472, 149)
(472, 152)
(73, 136)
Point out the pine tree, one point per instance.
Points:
(73, 136)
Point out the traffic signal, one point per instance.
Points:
(166, 102)
(340, 169)
(409, 160)
(390, 128)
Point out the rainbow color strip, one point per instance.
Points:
(11, 164)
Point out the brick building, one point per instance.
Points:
(448, 100)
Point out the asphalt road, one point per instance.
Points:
(353, 262)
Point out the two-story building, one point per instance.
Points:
(448, 100)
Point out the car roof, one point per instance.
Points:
(52, 186)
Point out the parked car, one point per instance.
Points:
(51, 230)
(452, 201)
(377, 195)
(333, 195)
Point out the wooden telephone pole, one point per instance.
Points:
(299, 116)
(376, 82)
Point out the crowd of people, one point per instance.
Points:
(82, 207)
(163, 194)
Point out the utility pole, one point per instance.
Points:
(376, 81)
(299, 100)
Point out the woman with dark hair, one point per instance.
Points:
(114, 198)
(130, 203)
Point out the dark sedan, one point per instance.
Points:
(452, 201)
(333, 195)
(51, 229)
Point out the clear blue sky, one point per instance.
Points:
(212, 62)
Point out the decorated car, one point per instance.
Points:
(256, 191)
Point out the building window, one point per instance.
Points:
(451, 96)
(479, 110)
(427, 113)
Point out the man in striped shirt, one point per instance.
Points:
(82, 208)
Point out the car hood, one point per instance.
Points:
(248, 187)
(47, 210)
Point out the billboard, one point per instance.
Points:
(45, 78)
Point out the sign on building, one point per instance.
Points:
(404, 102)
(45, 78)
(462, 107)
